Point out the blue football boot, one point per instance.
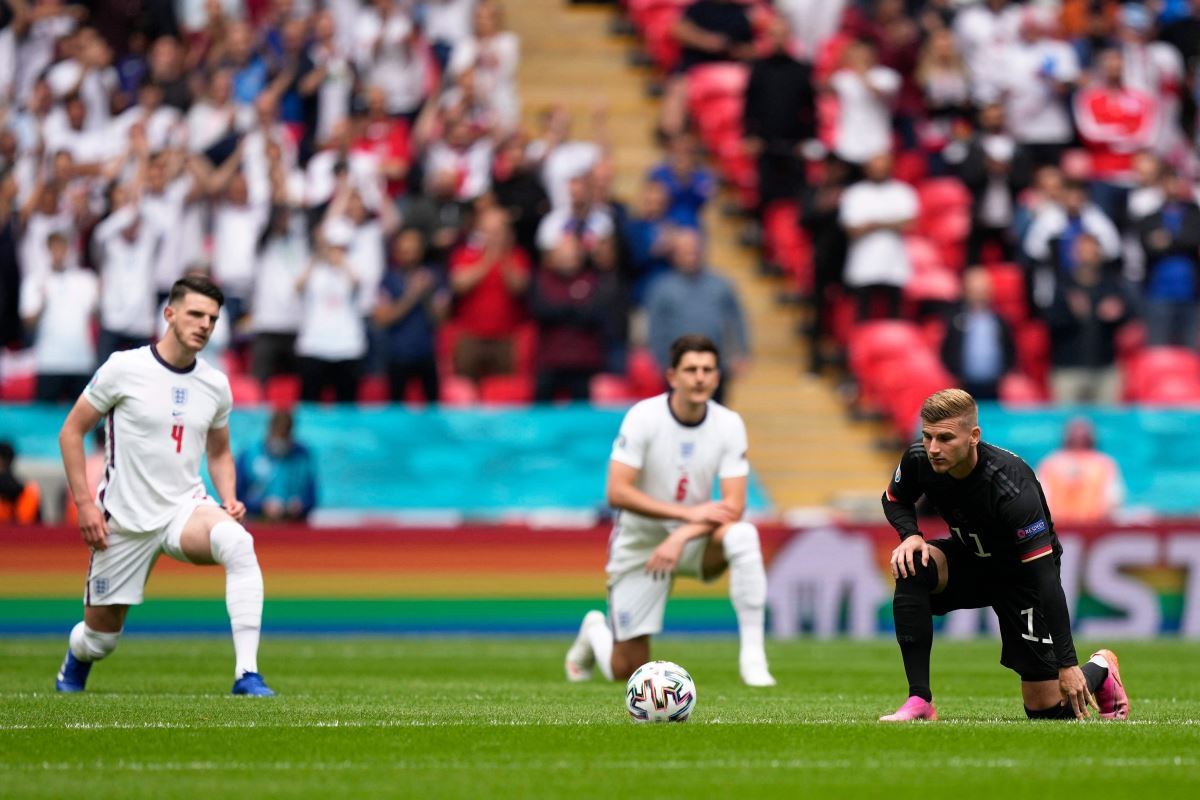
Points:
(73, 674)
(252, 684)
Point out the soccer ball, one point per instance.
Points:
(660, 691)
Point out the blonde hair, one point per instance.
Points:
(950, 404)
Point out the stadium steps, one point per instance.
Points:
(803, 447)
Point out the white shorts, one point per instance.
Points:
(117, 575)
(636, 599)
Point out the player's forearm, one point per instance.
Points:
(70, 443)
(224, 475)
(1054, 609)
(901, 516)
(629, 498)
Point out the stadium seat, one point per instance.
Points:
(933, 285)
(1148, 370)
(374, 390)
(282, 391)
(506, 390)
(1175, 390)
(1032, 340)
(709, 81)
(880, 340)
(458, 391)
(1018, 389)
(645, 376)
(939, 194)
(18, 388)
(911, 167)
(922, 253)
(246, 390)
(611, 390)
(1008, 292)
(1130, 340)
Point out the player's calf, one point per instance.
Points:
(86, 646)
(233, 548)
(748, 594)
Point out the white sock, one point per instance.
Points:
(233, 548)
(89, 645)
(747, 588)
(601, 639)
(1099, 661)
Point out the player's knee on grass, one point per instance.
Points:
(90, 645)
(232, 546)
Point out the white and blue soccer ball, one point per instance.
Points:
(660, 691)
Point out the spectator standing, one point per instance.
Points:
(689, 184)
(332, 341)
(20, 501)
(10, 267)
(447, 23)
(126, 242)
(1156, 69)
(413, 301)
(865, 91)
(276, 306)
(589, 224)
(945, 86)
(875, 213)
(821, 205)
(978, 347)
(984, 32)
(1081, 483)
(489, 278)
(693, 299)
(494, 55)
(570, 302)
(1089, 308)
(1171, 240)
(778, 118)
(59, 307)
(996, 169)
(393, 56)
(648, 235)
(277, 477)
(708, 31)
(1051, 237)
(1038, 74)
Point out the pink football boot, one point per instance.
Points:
(1111, 697)
(914, 708)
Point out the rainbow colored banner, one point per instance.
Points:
(1133, 581)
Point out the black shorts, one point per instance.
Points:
(1026, 647)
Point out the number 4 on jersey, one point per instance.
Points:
(177, 437)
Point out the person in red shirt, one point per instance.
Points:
(387, 138)
(1114, 122)
(489, 277)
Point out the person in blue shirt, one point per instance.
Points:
(689, 185)
(1171, 240)
(277, 478)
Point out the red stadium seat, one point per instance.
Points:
(282, 391)
(458, 391)
(922, 253)
(611, 390)
(912, 166)
(19, 388)
(933, 285)
(1175, 390)
(374, 390)
(1017, 389)
(707, 82)
(246, 390)
(1148, 370)
(506, 390)
(1032, 340)
(882, 340)
(939, 194)
(1008, 292)
(1130, 340)
(645, 376)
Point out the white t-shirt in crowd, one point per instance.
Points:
(275, 305)
(495, 60)
(677, 462)
(448, 21)
(168, 210)
(236, 229)
(812, 23)
(332, 327)
(96, 89)
(158, 419)
(65, 303)
(864, 126)
(333, 97)
(161, 125)
(399, 69)
(368, 254)
(598, 225)
(473, 166)
(982, 38)
(568, 160)
(1036, 113)
(127, 298)
(879, 257)
(34, 254)
(321, 178)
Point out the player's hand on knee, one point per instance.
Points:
(665, 557)
(711, 514)
(236, 509)
(92, 526)
(1073, 687)
(903, 557)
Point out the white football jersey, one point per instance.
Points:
(678, 462)
(157, 423)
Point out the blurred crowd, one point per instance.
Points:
(356, 177)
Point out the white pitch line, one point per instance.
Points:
(564, 764)
(501, 723)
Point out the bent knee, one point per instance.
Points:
(232, 545)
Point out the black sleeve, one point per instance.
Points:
(1044, 575)
(900, 499)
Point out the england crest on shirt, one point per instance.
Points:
(179, 395)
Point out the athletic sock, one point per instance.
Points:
(601, 640)
(1095, 672)
(88, 645)
(233, 548)
(1054, 712)
(914, 626)
(747, 589)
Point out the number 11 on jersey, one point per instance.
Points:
(177, 437)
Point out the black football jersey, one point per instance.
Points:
(998, 512)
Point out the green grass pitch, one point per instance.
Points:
(483, 718)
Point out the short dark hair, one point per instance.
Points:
(692, 343)
(198, 284)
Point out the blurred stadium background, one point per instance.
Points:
(480, 510)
